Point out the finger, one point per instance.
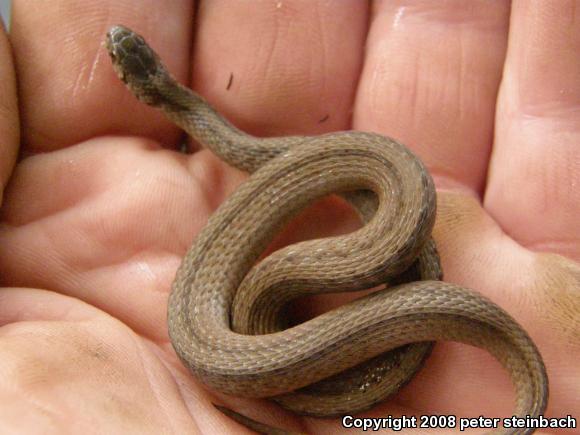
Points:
(535, 171)
(430, 80)
(280, 67)
(68, 89)
(9, 123)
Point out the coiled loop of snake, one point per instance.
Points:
(225, 312)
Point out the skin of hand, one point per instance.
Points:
(99, 209)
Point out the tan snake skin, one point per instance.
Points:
(226, 314)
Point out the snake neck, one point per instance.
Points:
(200, 120)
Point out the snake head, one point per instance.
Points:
(136, 64)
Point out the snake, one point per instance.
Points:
(227, 311)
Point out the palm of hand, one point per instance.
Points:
(93, 230)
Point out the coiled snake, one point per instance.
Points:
(225, 313)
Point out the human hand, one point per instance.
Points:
(95, 226)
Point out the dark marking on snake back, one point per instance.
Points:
(230, 81)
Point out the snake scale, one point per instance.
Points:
(226, 313)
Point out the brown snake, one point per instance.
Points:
(226, 314)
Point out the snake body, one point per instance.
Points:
(226, 313)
